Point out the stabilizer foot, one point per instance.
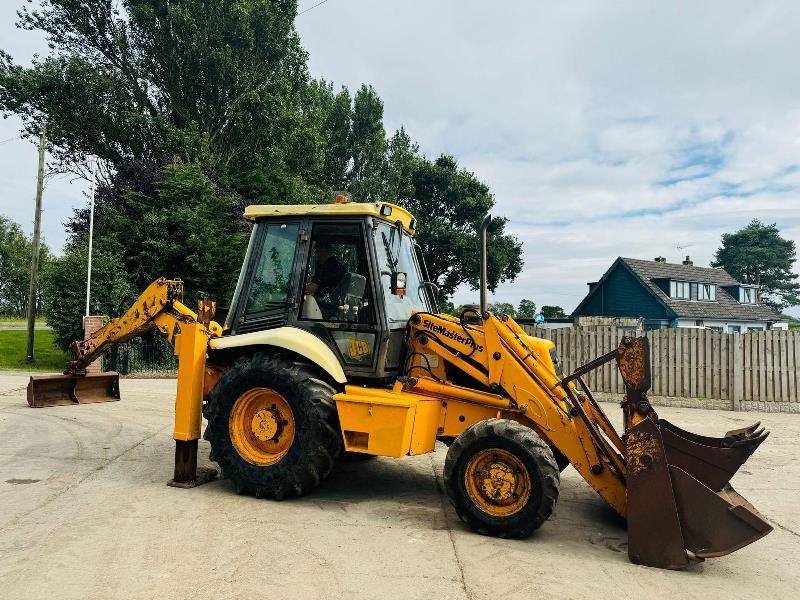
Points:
(187, 475)
(204, 475)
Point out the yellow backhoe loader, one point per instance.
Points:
(332, 344)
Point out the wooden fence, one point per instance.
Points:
(695, 367)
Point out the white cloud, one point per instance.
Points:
(580, 114)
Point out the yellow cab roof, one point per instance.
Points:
(349, 209)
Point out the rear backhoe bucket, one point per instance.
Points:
(680, 505)
(64, 390)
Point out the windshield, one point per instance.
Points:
(395, 252)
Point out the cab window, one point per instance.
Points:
(273, 271)
(395, 253)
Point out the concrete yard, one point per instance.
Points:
(85, 513)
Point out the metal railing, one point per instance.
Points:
(139, 356)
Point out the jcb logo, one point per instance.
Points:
(358, 348)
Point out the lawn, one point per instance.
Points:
(13, 345)
(19, 322)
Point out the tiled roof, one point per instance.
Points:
(725, 307)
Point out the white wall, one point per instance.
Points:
(726, 326)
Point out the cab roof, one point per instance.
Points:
(385, 211)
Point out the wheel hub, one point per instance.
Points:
(497, 482)
(261, 426)
(266, 425)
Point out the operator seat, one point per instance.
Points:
(311, 308)
(349, 295)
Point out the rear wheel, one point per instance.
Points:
(502, 478)
(272, 426)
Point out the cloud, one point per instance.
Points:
(603, 129)
(608, 129)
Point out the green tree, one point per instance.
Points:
(186, 226)
(402, 162)
(503, 309)
(368, 143)
(450, 204)
(338, 131)
(758, 255)
(65, 294)
(213, 98)
(553, 312)
(158, 78)
(526, 309)
(16, 250)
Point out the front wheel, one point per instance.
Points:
(272, 426)
(501, 478)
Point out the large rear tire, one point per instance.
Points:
(272, 426)
(502, 478)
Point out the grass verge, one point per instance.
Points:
(13, 346)
(17, 322)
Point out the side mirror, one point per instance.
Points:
(398, 284)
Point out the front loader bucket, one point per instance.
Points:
(681, 507)
(712, 461)
(63, 390)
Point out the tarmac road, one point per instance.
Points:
(85, 513)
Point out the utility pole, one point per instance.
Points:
(91, 236)
(37, 223)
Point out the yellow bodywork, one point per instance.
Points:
(295, 339)
(498, 355)
(350, 209)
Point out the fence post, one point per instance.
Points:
(737, 372)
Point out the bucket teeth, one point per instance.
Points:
(680, 503)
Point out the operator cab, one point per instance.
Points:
(349, 273)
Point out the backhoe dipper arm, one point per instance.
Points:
(158, 306)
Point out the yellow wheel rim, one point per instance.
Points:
(261, 426)
(497, 482)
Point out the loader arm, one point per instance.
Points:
(672, 486)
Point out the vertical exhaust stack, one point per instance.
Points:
(484, 232)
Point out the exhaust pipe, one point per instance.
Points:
(484, 233)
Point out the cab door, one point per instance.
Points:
(337, 293)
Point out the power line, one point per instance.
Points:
(302, 12)
(9, 140)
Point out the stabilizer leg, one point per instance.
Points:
(187, 475)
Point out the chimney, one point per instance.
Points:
(688, 262)
(660, 259)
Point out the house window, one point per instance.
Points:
(747, 295)
(683, 290)
(679, 289)
(706, 292)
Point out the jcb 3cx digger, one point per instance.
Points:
(333, 344)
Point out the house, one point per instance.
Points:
(663, 294)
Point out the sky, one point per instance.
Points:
(603, 129)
